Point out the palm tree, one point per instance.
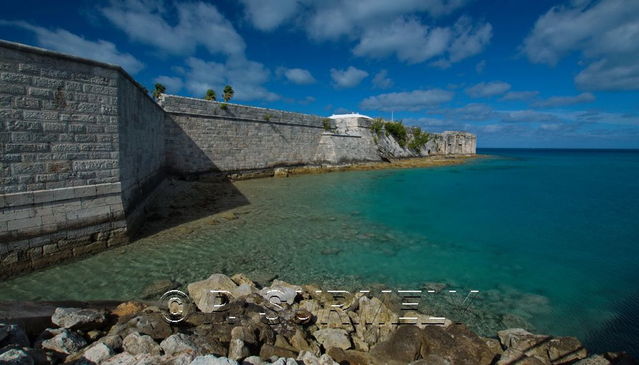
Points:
(228, 92)
(210, 95)
(159, 89)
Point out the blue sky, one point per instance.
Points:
(517, 73)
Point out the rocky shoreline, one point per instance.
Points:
(234, 320)
(394, 163)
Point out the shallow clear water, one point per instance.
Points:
(549, 237)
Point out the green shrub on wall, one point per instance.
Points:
(398, 131)
(326, 123)
(377, 126)
(420, 138)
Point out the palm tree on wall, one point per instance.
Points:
(210, 95)
(228, 93)
(159, 89)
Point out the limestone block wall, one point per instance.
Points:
(141, 130)
(68, 130)
(350, 141)
(204, 136)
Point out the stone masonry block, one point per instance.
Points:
(24, 223)
(18, 199)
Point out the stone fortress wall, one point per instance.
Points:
(83, 149)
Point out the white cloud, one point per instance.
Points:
(381, 80)
(246, 77)
(470, 112)
(605, 33)
(268, 15)
(408, 39)
(520, 95)
(296, 75)
(488, 89)
(173, 84)
(413, 42)
(331, 19)
(527, 116)
(407, 101)
(470, 39)
(609, 75)
(348, 78)
(197, 24)
(565, 100)
(379, 27)
(67, 42)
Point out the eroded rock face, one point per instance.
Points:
(78, 318)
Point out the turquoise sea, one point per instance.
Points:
(550, 238)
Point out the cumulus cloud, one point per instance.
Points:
(197, 24)
(565, 100)
(381, 80)
(348, 78)
(268, 15)
(173, 84)
(528, 116)
(408, 39)
(520, 95)
(413, 42)
(296, 75)
(379, 27)
(335, 18)
(488, 89)
(470, 112)
(605, 33)
(609, 75)
(470, 39)
(246, 77)
(407, 101)
(67, 42)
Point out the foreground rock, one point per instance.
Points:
(281, 324)
(77, 318)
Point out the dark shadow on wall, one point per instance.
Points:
(193, 188)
